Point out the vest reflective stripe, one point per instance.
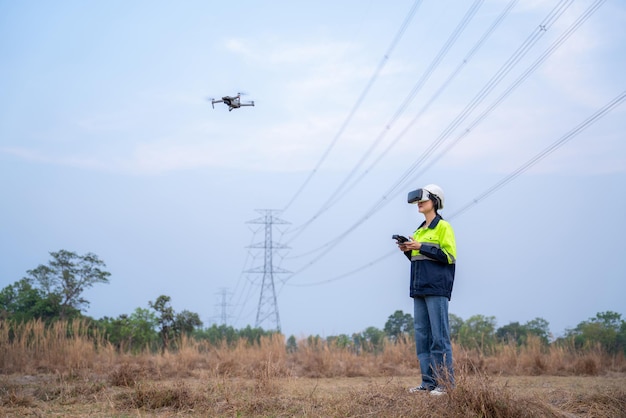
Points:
(423, 257)
(420, 257)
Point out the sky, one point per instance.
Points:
(109, 144)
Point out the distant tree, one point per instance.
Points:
(607, 329)
(512, 333)
(315, 342)
(455, 326)
(357, 341)
(519, 334)
(478, 332)
(143, 329)
(165, 320)
(134, 332)
(339, 341)
(253, 335)
(292, 344)
(218, 334)
(66, 277)
(399, 325)
(116, 330)
(371, 340)
(539, 327)
(21, 302)
(186, 322)
(621, 337)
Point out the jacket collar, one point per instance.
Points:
(434, 223)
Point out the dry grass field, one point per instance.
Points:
(203, 396)
(46, 374)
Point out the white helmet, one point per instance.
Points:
(435, 190)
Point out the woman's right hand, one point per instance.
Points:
(409, 245)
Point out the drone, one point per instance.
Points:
(233, 102)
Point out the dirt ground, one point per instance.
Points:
(47, 396)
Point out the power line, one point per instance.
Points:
(506, 180)
(480, 96)
(547, 151)
(532, 39)
(243, 294)
(350, 273)
(250, 312)
(357, 104)
(436, 95)
(526, 46)
(475, 48)
(514, 85)
(401, 109)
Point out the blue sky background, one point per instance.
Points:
(109, 145)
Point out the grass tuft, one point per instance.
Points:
(154, 397)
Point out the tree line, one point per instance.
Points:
(54, 292)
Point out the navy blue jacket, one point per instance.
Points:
(433, 266)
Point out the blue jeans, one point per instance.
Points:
(432, 340)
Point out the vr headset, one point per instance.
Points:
(419, 195)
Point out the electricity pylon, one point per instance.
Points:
(268, 306)
(224, 306)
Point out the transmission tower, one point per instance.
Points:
(268, 307)
(224, 293)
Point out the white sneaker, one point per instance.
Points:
(418, 389)
(438, 391)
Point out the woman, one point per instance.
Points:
(433, 257)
